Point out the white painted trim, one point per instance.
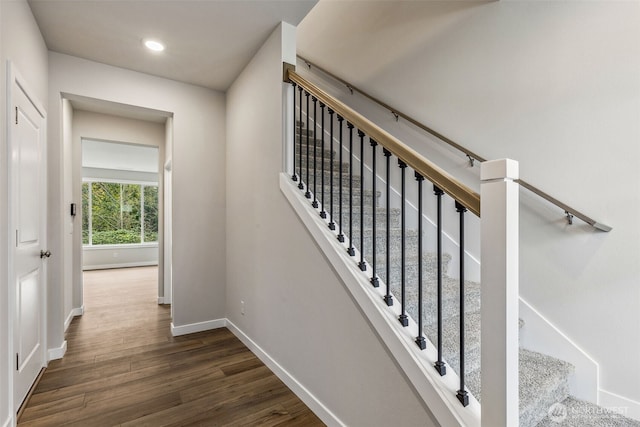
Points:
(615, 402)
(121, 265)
(437, 393)
(318, 408)
(539, 334)
(8, 422)
(122, 246)
(78, 311)
(197, 327)
(160, 300)
(58, 352)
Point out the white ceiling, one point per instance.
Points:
(208, 42)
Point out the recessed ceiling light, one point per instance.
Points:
(154, 45)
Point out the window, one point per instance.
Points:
(116, 213)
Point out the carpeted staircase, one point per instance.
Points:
(544, 389)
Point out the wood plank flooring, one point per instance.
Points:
(123, 368)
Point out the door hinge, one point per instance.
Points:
(16, 114)
(17, 362)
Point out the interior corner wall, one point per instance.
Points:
(553, 85)
(296, 308)
(30, 58)
(198, 175)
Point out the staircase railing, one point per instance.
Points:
(569, 211)
(313, 164)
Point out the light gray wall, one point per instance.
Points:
(107, 127)
(552, 84)
(296, 308)
(198, 162)
(21, 43)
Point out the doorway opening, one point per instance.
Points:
(114, 183)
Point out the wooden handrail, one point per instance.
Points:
(569, 211)
(460, 192)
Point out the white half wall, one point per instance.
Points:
(198, 155)
(553, 85)
(29, 57)
(296, 308)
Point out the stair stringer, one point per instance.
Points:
(437, 393)
(540, 335)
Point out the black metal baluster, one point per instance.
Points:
(300, 185)
(351, 250)
(403, 318)
(362, 264)
(323, 213)
(388, 298)
(439, 365)
(332, 223)
(315, 151)
(374, 277)
(293, 175)
(307, 194)
(420, 341)
(463, 397)
(340, 234)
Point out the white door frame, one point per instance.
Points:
(15, 81)
(167, 238)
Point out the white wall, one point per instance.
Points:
(198, 162)
(30, 58)
(296, 308)
(552, 84)
(107, 127)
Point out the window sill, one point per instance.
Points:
(120, 246)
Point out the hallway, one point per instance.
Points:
(123, 367)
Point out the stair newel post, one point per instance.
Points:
(294, 177)
(499, 230)
(351, 250)
(323, 213)
(315, 151)
(463, 396)
(403, 318)
(387, 297)
(420, 340)
(340, 233)
(307, 194)
(332, 223)
(362, 264)
(300, 185)
(374, 277)
(439, 365)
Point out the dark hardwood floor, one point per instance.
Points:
(123, 368)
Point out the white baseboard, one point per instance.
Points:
(620, 404)
(8, 422)
(58, 352)
(121, 265)
(318, 408)
(78, 311)
(539, 334)
(197, 327)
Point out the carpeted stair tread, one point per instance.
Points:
(543, 382)
(572, 412)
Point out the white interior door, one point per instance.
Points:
(29, 253)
